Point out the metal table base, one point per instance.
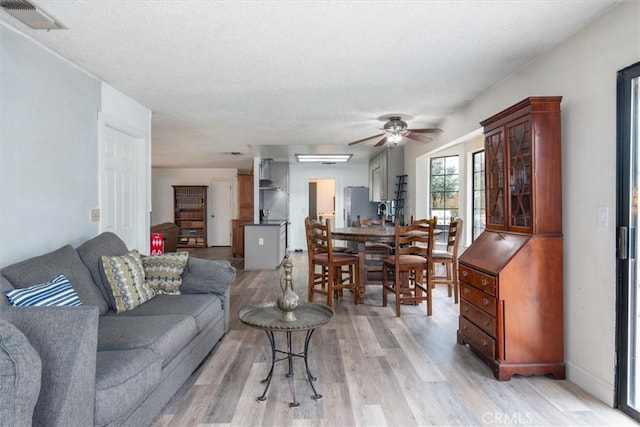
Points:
(267, 317)
(289, 355)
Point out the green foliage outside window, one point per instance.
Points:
(444, 188)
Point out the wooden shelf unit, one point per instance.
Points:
(190, 215)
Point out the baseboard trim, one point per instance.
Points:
(597, 386)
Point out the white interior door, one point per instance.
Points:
(119, 186)
(219, 210)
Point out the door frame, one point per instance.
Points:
(626, 256)
(143, 176)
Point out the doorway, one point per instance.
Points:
(628, 309)
(322, 199)
(122, 184)
(219, 209)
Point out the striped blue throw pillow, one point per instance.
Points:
(57, 292)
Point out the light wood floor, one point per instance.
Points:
(373, 369)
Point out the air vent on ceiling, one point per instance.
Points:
(30, 15)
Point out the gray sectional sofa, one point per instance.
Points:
(98, 367)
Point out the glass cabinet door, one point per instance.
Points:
(494, 179)
(520, 186)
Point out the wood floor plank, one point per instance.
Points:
(228, 349)
(419, 359)
(373, 369)
(247, 411)
(366, 337)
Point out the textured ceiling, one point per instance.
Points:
(257, 76)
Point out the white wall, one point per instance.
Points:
(164, 178)
(583, 70)
(300, 174)
(48, 150)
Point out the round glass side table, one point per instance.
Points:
(267, 317)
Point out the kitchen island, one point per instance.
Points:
(265, 244)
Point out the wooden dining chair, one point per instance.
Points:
(449, 259)
(403, 273)
(333, 279)
(316, 278)
(374, 252)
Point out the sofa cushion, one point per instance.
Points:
(124, 379)
(125, 276)
(57, 292)
(163, 272)
(20, 375)
(205, 308)
(61, 261)
(4, 287)
(165, 335)
(92, 250)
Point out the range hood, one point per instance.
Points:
(265, 181)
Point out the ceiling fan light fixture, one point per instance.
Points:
(395, 138)
(395, 125)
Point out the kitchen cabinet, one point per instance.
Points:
(245, 213)
(245, 196)
(265, 245)
(511, 290)
(383, 170)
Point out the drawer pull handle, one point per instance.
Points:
(485, 343)
(485, 321)
(465, 308)
(485, 301)
(465, 291)
(485, 282)
(465, 273)
(464, 327)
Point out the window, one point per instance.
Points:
(477, 203)
(444, 189)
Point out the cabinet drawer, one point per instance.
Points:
(480, 280)
(485, 321)
(478, 298)
(482, 341)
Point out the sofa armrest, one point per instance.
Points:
(66, 339)
(202, 276)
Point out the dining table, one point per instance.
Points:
(362, 235)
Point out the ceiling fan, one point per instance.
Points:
(396, 128)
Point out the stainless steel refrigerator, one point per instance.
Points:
(356, 202)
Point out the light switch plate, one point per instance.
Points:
(603, 215)
(94, 214)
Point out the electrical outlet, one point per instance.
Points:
(94, 214)
(260, 241)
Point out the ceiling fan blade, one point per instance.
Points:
(418, 137)
(428, 130)
(381, 142)
(365, 139)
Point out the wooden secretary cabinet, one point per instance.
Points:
(511, 306)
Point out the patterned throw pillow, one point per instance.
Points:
(125, 275)
(54, 293)
(164, 272)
